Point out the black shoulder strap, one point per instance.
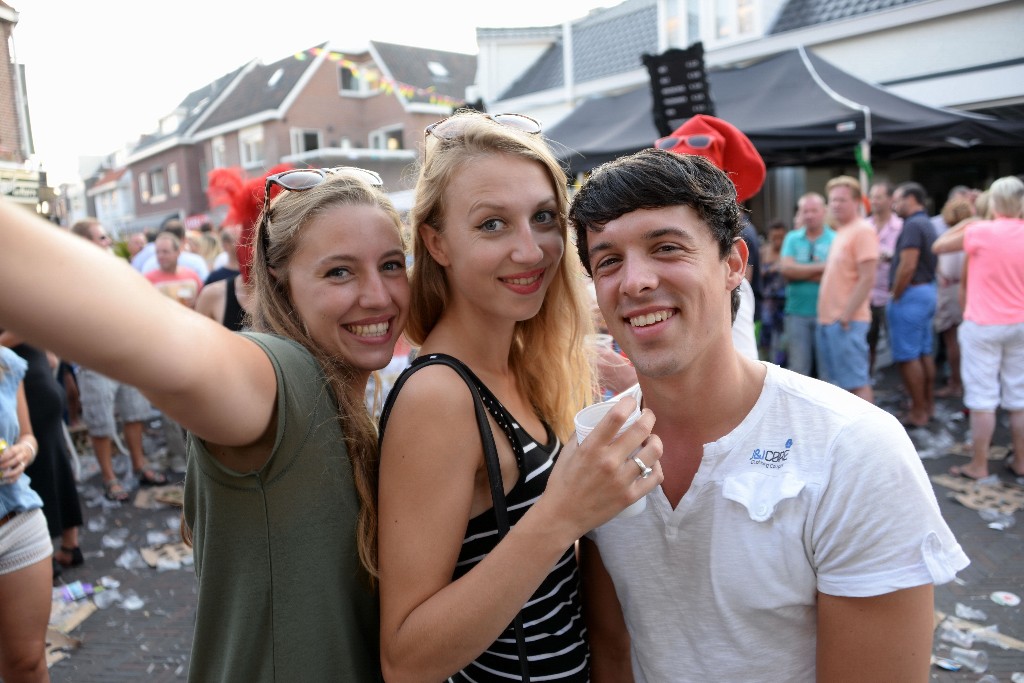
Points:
(490, 457)
(486, 436)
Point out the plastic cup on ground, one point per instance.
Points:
(952, 634)
(587, 419)
(975, 660)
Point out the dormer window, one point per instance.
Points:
(438, 70)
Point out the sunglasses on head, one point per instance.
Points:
(299, 179)
(452, 127)
(691, 141)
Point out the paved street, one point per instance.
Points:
(152, 642)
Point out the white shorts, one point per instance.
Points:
(992, 365)
(24, 540)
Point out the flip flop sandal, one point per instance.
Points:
(113, 491)
(957, 471)
(148, 477)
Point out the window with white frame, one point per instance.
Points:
(250, 146)
(158, 181)
(387, 138)
(219, 152)
(357, 81)
(144, 192)
(172, 180)
(735, 19)
(348, 80)
(306, 140)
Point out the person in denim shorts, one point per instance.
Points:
(844, 312)
(104, 398)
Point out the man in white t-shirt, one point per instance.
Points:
(795, 536)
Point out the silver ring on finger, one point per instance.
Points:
(645, 471)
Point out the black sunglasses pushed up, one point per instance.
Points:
(298, 179)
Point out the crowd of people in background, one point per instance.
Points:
(865, 271)
(818, 306)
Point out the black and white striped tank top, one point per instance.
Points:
(552, 619)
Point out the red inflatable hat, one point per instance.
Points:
(725, 146)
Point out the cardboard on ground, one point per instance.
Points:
(1007, 498)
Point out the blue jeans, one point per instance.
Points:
(800, 330)
(843, 354)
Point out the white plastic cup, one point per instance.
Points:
(587, 419)
(975, 660)
(952, 634)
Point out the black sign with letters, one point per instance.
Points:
(679, 85)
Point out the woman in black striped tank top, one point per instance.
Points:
(497, 295)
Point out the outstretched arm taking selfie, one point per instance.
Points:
(93, 308)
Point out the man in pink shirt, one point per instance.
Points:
(844, 313)
(178, 282)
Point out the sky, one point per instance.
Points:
(101, 73)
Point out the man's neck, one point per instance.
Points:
(698, 407)
(814, 232)
(881, 219)
(843, 225)
(726, 395)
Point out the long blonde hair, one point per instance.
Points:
(548, 354)
(274, 312)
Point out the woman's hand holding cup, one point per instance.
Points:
(612, 466)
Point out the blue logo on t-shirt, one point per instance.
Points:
(771, 458)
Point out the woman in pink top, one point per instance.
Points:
(992, 334)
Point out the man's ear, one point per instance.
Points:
(736, 262)
(434, 243)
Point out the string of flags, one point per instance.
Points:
(376, 81)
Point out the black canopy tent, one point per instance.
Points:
(797, 108)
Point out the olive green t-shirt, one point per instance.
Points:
(282, 595)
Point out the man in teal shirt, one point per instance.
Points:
(803, 256)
